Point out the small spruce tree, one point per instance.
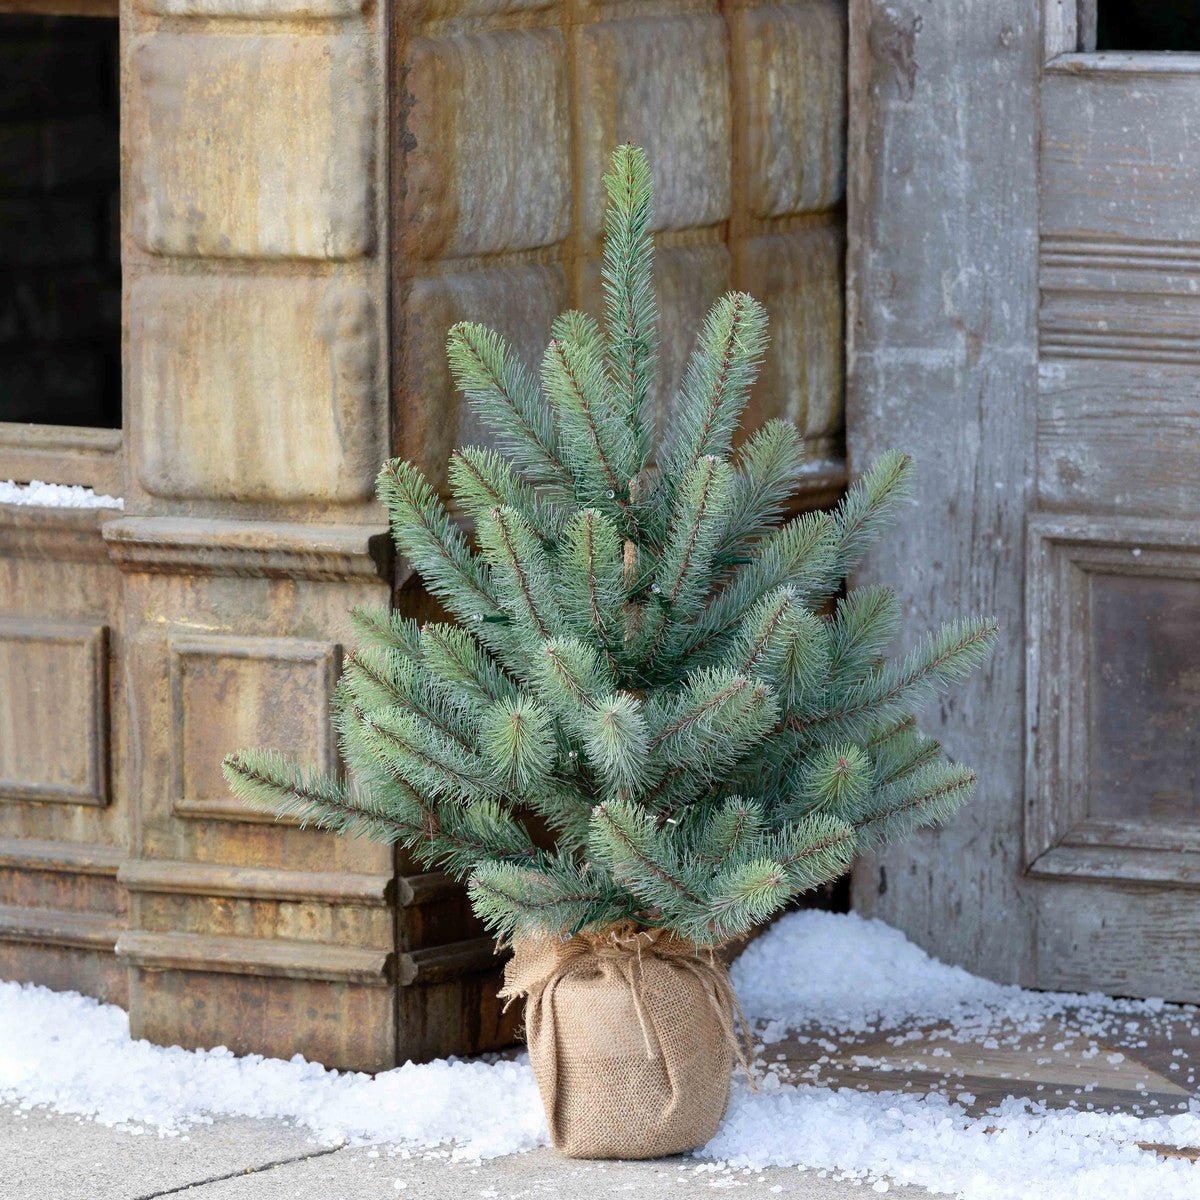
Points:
(643, 654)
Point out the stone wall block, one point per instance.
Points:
(224, 168)
(255, 389)
(662, 82)
(518, 301)
(791, 65)
(798, 277)
(487, 167)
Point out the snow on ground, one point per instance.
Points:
(837, 973)
(55, 495)
(852, 976)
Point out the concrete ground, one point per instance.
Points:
(44, 1156)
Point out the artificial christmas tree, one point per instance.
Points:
(643, 657)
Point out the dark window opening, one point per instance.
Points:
(60, 262)
(1163, 25)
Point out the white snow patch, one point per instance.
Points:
(75, 1055)
(1015, 1152)
(846, 973)
(55, 495)
(828, 973)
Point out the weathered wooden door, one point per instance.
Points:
(1049, 295)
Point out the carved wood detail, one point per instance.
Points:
(228, 691)
(267, 550)
(54, 739)
(1062, 838)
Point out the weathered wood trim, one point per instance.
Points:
(440, 964)
(431, 887)
(162, 951)
(942, 362)
(165, 877)
(70, 858)
(1143, 835)
(1101, 256)
(1121, 865)
(1060, 28)
(262, 549)
(822, 481)
(68, 454)
(59, 927)
(62, 8)
(53, 534)
(1125, 939)
(1132, 62)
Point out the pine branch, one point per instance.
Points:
(424, 533)
(591, 572)
(552, 899)
(931, 796)
(378, 626)
(266, 779)
(627, 273)
(814, 850)
(454, 656)
(714, 716)
(431, 765)
(522, 568)
(506, 399)
(730, 826)
(716, 385)
(869, 507)
(382, 679)
(515, 736)
(837, 779)
(683, 576)
(625, 838)
(945, 658)
(764, 642)
(481, 480)
(800, 554)
(597, 437)
(770, 467)
(573, 677)
(864, 625)
(615, 742)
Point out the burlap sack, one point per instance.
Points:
(631, 1037)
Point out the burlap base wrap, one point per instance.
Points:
(632, 1040)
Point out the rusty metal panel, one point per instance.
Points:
(504, 115)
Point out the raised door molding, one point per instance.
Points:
(54, 722)
(1068, 832)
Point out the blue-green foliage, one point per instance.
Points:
(644, 651)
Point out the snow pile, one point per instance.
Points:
(837, 973)
(75, 1055)
(55, 495)
(847, 973)
(843, 974)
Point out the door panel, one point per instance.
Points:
(1144, 684)
(1024, 316)
(1113, 613)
